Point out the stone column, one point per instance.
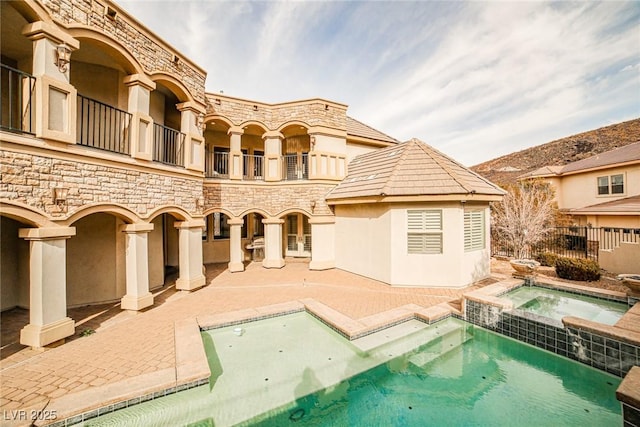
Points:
(48, 321)
(190, 255)
(194, 142)
(236, 254)
(140, 87)
(137, 270)
(273, 243)
(273, 156)
(322, 243)
(236, 165)
(55, 98)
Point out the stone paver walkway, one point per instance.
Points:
(127, 344)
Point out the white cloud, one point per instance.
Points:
(476, 80)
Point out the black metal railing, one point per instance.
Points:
(168, 145)
(573, 242)
(103, 127)
(17, 95)
(295, 167)
(216, 164)
(253, 166)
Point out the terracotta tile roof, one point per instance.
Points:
(356, 128)
(409, 169)
(624, 154)
(627, 205)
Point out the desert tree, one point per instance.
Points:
(525, 215)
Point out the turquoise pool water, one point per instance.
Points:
(556, 304)
(293, 370)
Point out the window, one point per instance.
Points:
(424, 235)
(473, 230)
(613, 184)
(617, 184)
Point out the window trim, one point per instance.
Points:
(610, 185)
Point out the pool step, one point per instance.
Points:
(451, 340)
(456, 306)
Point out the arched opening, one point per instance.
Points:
(164, 250)
(14, 283)
(16, 63)
(252, 147)
(217, 144)
(254, 244)
(96, 264)
(295, 152)
(297, 235)
(168, 138)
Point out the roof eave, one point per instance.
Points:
(470, 197)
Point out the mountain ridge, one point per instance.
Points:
(505, 170)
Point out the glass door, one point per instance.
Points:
(298, 236)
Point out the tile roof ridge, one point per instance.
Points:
(438, 160)
(468, 170)
(404, 147)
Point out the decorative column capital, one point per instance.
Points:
(140, 227)
(46, 233)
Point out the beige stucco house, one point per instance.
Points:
(119, 169)
(603, 191)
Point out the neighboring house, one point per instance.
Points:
(118, 169)
(602, 191)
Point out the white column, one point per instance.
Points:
(273, 156)
(322, 243)
(190, 255)
(273, 243)
(137, 270)
(140, 87)
(235, 153)
(236, 254)
(55, 97)
(48, 321)
(194, 142)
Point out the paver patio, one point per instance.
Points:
(128, 344)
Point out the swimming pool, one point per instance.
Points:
(556, 304)
(294, 370)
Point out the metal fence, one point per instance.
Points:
(168, 145)
(253, 166)
(103, 126)
(295, 167)
(17, 95)
(573, 242)
(216, 163)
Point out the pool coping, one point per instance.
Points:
(192, 367)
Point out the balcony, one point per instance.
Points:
(17, 95)
(295, 167)
(168, 145)
(103, 127)
(216, 164)
(253, 167)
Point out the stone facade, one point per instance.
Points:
(314, 112)
(274, 199)
(154, 55)
(30, 179)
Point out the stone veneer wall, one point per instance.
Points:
(273, 116)
(274, 199)
(153, 56)
(30, 178)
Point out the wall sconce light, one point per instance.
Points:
(200, 203)
(313, 204)
(60, 197)
(63, 57)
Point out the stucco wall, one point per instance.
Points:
(363, 241)
(14, 256)
(581, 190)
(371, 240)
(85, 76)
(624, 259)
(616, 221)
(95, 261)
(354, 150)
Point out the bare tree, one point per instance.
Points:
(525, 215)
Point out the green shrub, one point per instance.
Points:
(577, 269)
(548, 259)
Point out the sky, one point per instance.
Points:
(476, 80)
